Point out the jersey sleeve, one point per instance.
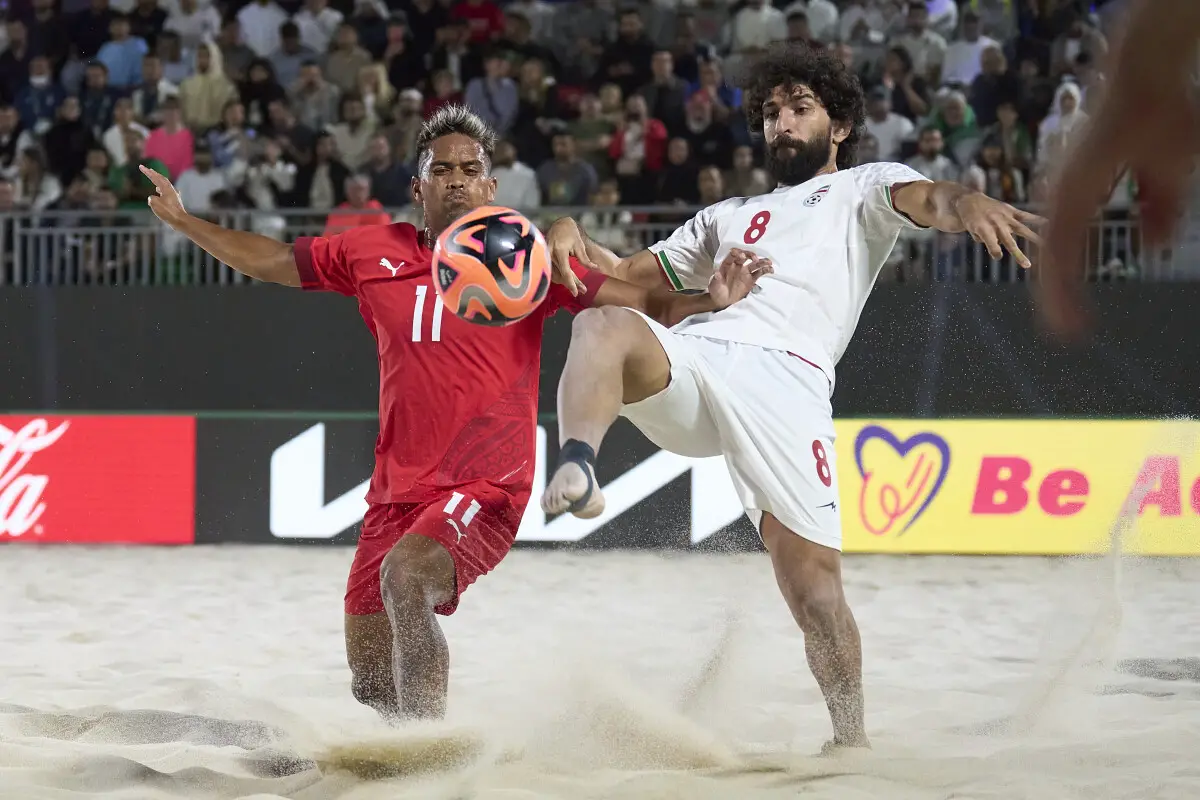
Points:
(559, 297)
(324, 264)
(686, 257)
(875, 183)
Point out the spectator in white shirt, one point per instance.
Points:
(756, 26)
(36, 186)
(260, 23)
(931, 160)
(927, 48)
(963, 55)
(194, 20)
(197, 185)
(516, 183)
(859, 19)
(822, 17)
(317, 23)
(889, 129)
(123, 122)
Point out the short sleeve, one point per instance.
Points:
(559, 297)
(686, 256)
(875, 183)
(324, 264)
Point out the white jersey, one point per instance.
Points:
(827, 238)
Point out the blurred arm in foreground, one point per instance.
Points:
(1148, 123)
(260, 257)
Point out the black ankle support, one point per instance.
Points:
(574, 451)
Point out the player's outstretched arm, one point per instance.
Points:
(953, 208)
(566, 239)
(732, 281)
(260, 257)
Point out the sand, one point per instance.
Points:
(596, 675)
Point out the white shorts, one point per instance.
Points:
(766, 411)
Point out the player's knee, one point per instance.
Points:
(603, 322)
(413, 573)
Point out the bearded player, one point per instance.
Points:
(753, 382)
(457, 405)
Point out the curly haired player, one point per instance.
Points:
(753, 382)
(457, 405)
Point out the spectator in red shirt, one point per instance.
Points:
(638, 148)
(484, 18)
(359, 209)
(443, 93)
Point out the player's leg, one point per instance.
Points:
(614, 359)
(416, 577)
(810, 577)
(369, 654)
(777, 433)
(396, 651)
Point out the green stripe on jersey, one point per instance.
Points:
(668, 270)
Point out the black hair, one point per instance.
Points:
(790, 64)
(454, 119)
(905, 57)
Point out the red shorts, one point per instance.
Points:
(476, 524)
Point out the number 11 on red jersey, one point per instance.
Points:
(419, 315)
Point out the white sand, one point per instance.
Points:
(569, 672)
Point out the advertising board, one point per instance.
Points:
(1019, 486)
(97, 479)
(905, 486)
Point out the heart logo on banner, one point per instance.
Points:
(900, 479)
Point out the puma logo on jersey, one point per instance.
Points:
(454, 523)
(383, 262)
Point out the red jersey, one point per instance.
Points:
(457, 401)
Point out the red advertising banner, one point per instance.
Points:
(101, 479)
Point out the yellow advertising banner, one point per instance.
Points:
(1018, 486)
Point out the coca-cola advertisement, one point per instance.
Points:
(97, 479)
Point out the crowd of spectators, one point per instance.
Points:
(316, 104)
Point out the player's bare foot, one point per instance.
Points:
(573, 485)
(835, 747)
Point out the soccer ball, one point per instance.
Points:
(491, 266)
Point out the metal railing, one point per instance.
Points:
(131, 247)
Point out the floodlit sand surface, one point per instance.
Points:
(218, 672)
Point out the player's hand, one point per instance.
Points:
(166, 203)
(737, 276)
(1148, 125)
(565, 241)
(997, 226)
